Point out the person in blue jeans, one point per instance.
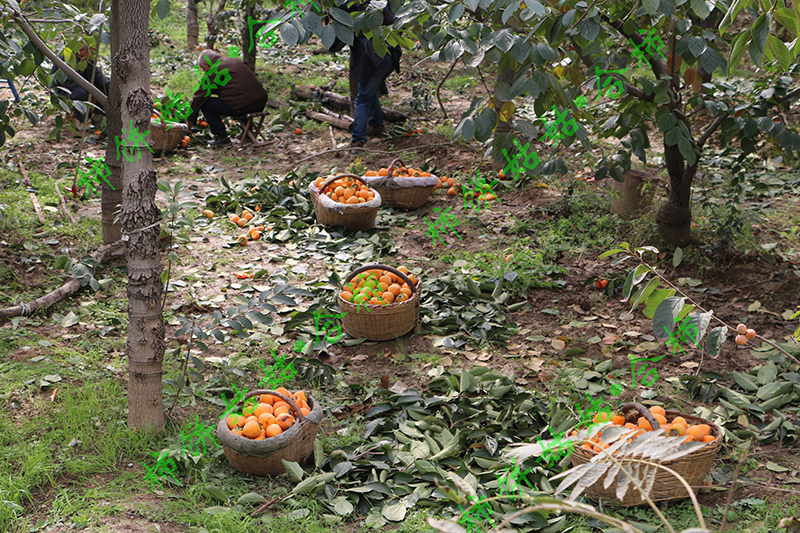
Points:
(371, 73)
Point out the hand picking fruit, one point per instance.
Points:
(268, 415)
(378, 287)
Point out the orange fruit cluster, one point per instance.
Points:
(744, 334)
(452, 185)
(400, 172)
(267, 417)
(378, 287)
(346, 191)
(255, 233)
(677, 427)
(185, 141)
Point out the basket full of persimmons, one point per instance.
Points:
(344, 200)
(400, 186)
(638, 422)
(380, 302)
(271, 426)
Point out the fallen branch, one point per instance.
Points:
(334, 120)
(263, 507)
(27, 183)
(70, 287)
(64, 203)
(304, 92)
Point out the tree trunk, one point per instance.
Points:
(111, 198)
(353, 86)
(674, 218)
(248, 52)
(192, 27)
(211, 24)
(139, 218)
(503, 138)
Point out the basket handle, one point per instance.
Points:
(644, 411)
(391, 166)
(336, 177)
(279, 395)
(382, 267)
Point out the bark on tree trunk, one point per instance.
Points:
(192, 27)
(674, 218)
(139, 218)
(503, 137)
(353, 86)
(111, 198)
(248, 52)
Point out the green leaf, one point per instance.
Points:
(767, 373)
(216, 493)
(609, 253)
(644, 293)
(162, 9)
(761, 31)
(738, 48)
(251, 497)
(665, 316)
(733, 11)
(788, 18)
(697, 45)
(341, 16)
(655, 300)
(342, 506)
(589, 28)
(745, 381)
(780, 52)
(700, 8)
(651, 6)
(395, 513)
(293, 470)
(715, 340)
(677, 257)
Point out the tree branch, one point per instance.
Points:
(439, 87)
(711, 129)
(60, 63)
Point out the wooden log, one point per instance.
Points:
(342, 122)
(70, 287)
(338, 101)
(27, 182)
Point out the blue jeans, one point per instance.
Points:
(214, 109)
(367, 107)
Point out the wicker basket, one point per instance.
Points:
(356, 217)
(693, 468)
(403, 193)
(380, 322)
(165, 137)
(263, 457)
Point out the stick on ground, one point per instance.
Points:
(27, 182)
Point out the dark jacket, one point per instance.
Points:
(243, 93)
(365, 59)
(70, 86)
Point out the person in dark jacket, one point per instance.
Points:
(73, 91)
(371, 73)
(238, 90)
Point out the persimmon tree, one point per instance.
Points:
(550, 51)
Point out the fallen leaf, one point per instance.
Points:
(632, 334)
(611, 339)
(753, 306)
(690, 364)
(776, 467)
(558, 344)
(611, 326)
(484, 356)
(471, 355)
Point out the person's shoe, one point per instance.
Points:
(220, 141)
(376, 132)
(357, 145)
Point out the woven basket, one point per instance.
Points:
(356, 217)
(165, 137)
(403, 193)
(693, 468)
(263, 457)
(380, 322)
